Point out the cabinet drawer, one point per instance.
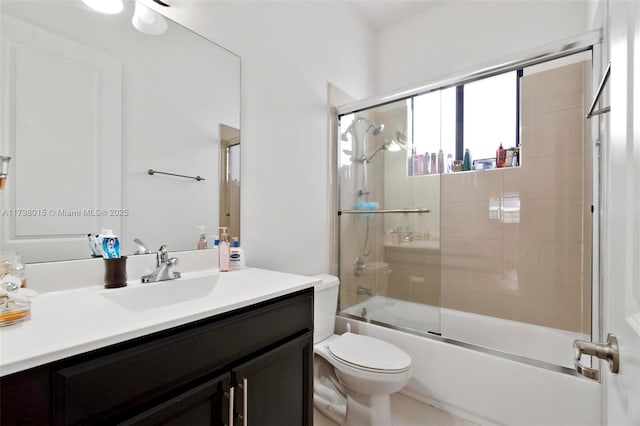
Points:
(111, 384)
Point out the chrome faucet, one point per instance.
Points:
(164, 267)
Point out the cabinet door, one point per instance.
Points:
(276, 388)
(201, 405)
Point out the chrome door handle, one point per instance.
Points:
(607, 351)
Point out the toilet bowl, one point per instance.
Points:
(365, 372)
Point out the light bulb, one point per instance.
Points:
(148, 21)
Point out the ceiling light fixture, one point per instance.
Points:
(110, 7)
(148, 21)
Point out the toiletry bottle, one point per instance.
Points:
(223, 251)
(202, 242)
(449, 163)
(466, 162)
(441, 161)
(434, 163)
(426, 159)
(410, 170)
(237, 255)
(514, 160)
(501, 156)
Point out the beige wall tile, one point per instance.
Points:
(545, 306)
(553, 133)
(553, 90)
(557, 219)
(471, 186)
(546, 177)
(472, 256)
(475, 220)
(550, 264)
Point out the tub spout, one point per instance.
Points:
(364, 290)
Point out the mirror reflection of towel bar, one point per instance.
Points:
(152, 172)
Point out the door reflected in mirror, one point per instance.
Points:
(230, 180)
(94, 104)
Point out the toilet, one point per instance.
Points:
(354, 375)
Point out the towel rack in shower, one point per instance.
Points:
(382, 211)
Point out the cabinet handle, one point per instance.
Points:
(245, 392)
(231, 392)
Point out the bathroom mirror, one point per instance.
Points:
(90, 104)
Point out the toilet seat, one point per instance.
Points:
(369, 354)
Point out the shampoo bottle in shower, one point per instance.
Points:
(501, 156)
(224, 251)
(466, 162)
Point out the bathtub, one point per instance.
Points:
(534, 342)
(524, 379)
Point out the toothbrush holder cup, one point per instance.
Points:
(115, 272)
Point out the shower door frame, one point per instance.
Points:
(592, 41)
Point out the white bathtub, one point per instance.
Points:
(531, 341)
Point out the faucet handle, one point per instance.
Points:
(142, 248)
(163, 254)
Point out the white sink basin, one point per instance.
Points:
(142, 297)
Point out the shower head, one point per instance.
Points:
(377, 128)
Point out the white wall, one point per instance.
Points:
(455, 37)
(289, 51)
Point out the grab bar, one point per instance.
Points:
(340, 212)
(591, 112)
(152, 172)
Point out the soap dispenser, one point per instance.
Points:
(202, 242)
(223, 250)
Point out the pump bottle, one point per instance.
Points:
(223, 250)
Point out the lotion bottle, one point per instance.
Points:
(237, 255)
(223, 251)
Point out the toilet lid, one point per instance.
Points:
(369, 353)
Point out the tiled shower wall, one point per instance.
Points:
(516, 242)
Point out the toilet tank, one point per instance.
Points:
(325, 305)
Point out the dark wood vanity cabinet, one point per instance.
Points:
(252, 365)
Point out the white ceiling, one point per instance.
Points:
(384, 13)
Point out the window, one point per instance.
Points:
(478, 116)
(490, 107)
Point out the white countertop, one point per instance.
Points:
(70, 322)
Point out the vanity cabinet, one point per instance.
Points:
(249, 366)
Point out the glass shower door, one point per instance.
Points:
(389, 254)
